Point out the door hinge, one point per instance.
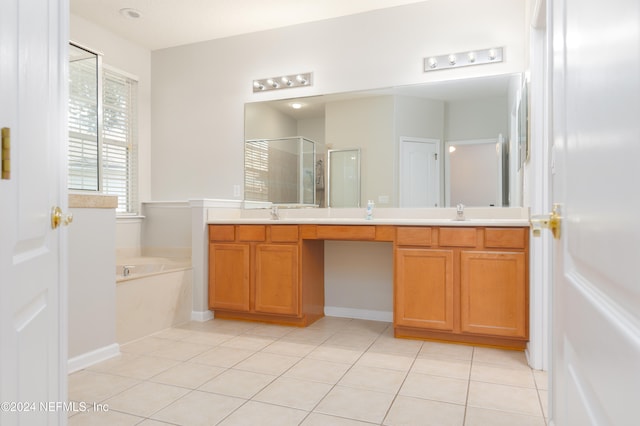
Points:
(6, 153)
(435, 156)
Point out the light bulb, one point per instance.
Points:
(452, 59)
(433, 63)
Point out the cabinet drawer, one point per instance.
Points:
(252, 232)
(505, 237)
(222, 233)
(284, 234)
(346, 232)
(458, 237)
(413, 236)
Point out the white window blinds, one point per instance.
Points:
(83, 124)
(119, 140)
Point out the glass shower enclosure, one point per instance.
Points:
(281, 171)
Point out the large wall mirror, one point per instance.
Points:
(428, 145)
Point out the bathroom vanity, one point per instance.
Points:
(453, 281)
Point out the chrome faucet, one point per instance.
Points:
(460, 211)
(274, 213)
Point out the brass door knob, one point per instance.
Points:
(551, 221)
(57, 218)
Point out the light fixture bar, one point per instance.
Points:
(283, 82)
(463, 59)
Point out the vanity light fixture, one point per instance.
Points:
(463, 59)
(283, 82)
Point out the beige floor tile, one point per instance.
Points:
(437, 388)
(104, 418)
(502, 357)
(289, 348)
(366, 326)
(336, 354)
(173, 334)
(135, 366)
(542, 379)
(386, 360)
(353, 340)
(90, 386)
(188, 375)
(253, 343)
(357, 404)
(145, 345)
(180, 351)
(151, 422)
(318, 370)
(373, 378)
(309, 336)
(330, 323)
(455, 368)
(208, 338)
(504, 398)
(294, 393)
(317, 419)
(242, 384)
(389, 344)
(255, 413)
(492, 373)
(271, 330)
(267, 363)
(483, 417)
(222, 357)
(146, 398)
(421, 412)
(199, 409)
(446, 350)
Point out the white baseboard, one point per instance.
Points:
(88, 359)
(366, 314)
(201, 316)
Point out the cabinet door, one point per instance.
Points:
(424, 288)
(229, 276)
(276, 280)
(493, 293)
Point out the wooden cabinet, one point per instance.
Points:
(493, 293)
(229, 276)
(254, 273)
(277, 287)
(424, 294)
(453, 283)
(462, 284)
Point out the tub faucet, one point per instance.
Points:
(460, 211)
(274, 213)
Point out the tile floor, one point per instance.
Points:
(335, 372)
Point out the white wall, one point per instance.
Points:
(92, 281)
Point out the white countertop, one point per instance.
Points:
(499, 217)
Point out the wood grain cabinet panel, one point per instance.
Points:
(424, 289)
(276, 279)
(413, 236)
(493, 293)
(505, 237)
(229, 284)
(222, 233)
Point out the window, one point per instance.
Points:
(119, 140)
(102, 147)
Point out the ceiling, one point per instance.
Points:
(168, 23)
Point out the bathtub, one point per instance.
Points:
(152, 294)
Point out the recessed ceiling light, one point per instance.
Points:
(296, 105)
(130, 13)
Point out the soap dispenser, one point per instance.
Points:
(370, 210)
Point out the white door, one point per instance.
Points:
(419, 172)
(595, 371)
(33, 35)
